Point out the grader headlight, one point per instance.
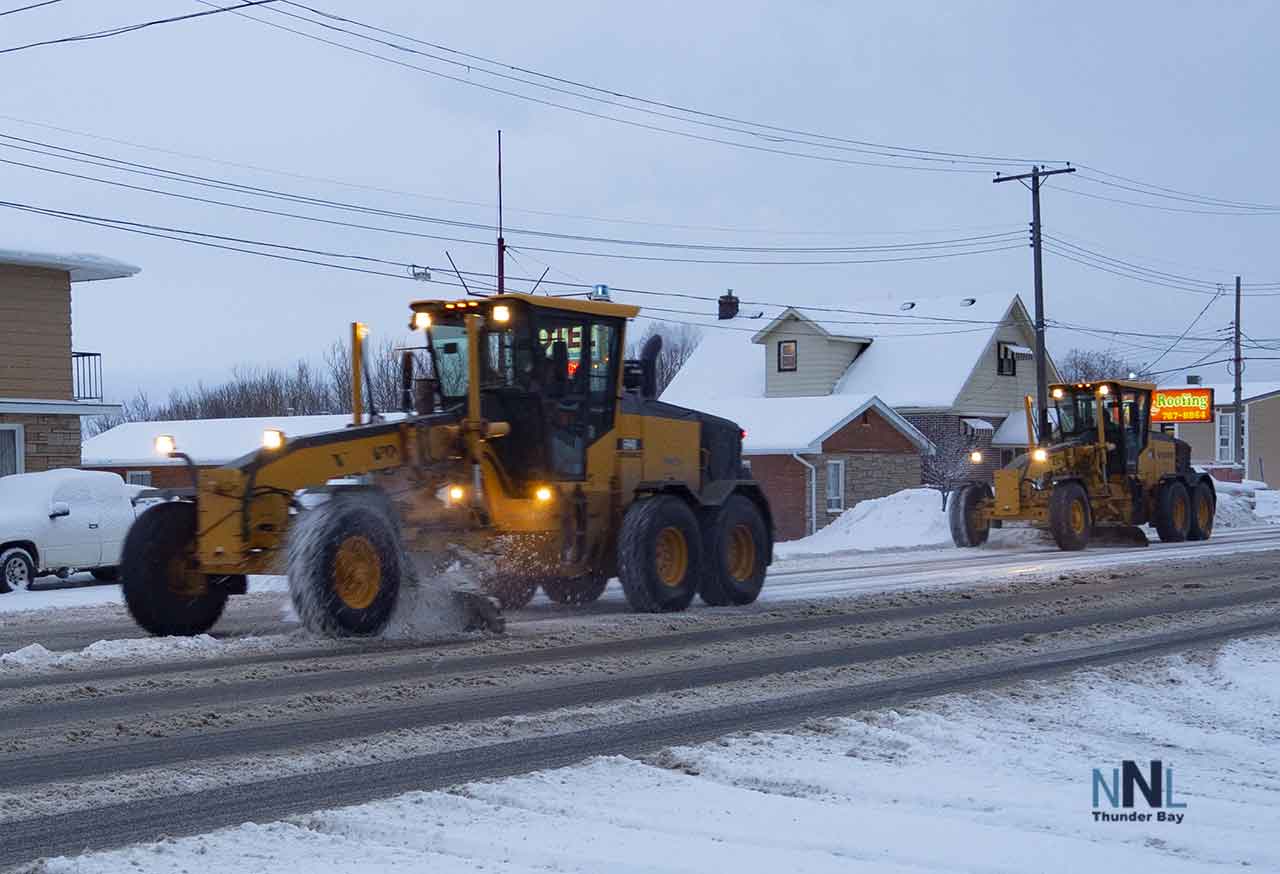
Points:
(501, 313)
(543, 494)
(1058, 394)
(1040, 455)
(272, 439)
(165, 445)
(421, 321)
(456, 494)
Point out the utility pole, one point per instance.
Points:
(502, 244)
(1238, 436)
(1042, 366)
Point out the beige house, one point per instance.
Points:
(45, 386)
(1213, 444)
(950, 369)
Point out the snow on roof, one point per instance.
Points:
(726, 364)
(926, 359)
(835, 328)
(979, 424)
(1012, 432)
(207, 441)
(1224, 393)
(81, 267)
(919, 355)
(777, 426)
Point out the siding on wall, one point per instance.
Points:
(986, 392)
(820, 362)
(1203, 437)
(49, 442)
(35, 333)
(1263, 422)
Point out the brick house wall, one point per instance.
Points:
(48, 442)
(163, 476)
(879, 460)
(939, 427)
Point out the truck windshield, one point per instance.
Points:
(1076, 414)
(449, 359)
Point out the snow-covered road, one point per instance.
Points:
(994, 782)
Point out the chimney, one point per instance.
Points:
(728, 305)
(1193, 379)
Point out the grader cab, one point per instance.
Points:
(530, 454)
(1100, 467)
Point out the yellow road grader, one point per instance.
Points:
(530, 452)
(1102, 467)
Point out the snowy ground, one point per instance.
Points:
(914, 519)
(81, 590)
(995, 782)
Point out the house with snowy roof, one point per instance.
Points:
(45, 385)
(911, 376)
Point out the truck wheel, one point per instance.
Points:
(1173, 512)
(575, 590)
(968, 528)
(659, 555)
(17, 570)
(163, 587)
(344, 568)
(106, 574)
(1070, 517)
(512, 591)
(1203, 508)
(736, 543)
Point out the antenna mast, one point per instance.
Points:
(502, 244)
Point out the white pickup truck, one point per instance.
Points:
(61, 521)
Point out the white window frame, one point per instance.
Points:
(20, 441)
(1227, 454)
(138, 478)
(837, 505)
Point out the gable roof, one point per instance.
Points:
(207, 441)
(830, 328)
(781, 426)
(921, 352)
(81, 267)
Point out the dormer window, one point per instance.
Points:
(1006, 363)
(787, 356)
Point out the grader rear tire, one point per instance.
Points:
(575, 590)
(1070, 516)
(163, 588)
(1203, 508)
(345, 568)
(659, 555)
(736, 542)
(967, 528)
(1173, 512)
(512, 591)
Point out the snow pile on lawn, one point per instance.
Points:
(912, 517)
(1245, 504)
(996, 782)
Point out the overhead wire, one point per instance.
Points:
(29, 6)
(129, 28)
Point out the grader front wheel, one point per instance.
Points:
(575, 590)
(964, 515)
(1070, 516)
(345, 568)
(163, 587)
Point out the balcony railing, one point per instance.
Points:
(86, 373)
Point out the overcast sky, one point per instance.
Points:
(1179, 95)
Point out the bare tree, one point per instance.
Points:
(1090, 365)
(678, 343)
(950, 465)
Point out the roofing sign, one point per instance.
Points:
(1182, 405)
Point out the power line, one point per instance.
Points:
(129, 28)
(29, 6)
(602, 115)
(1198, 317)
(1153, 190)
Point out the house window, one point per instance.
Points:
(1226, 437)
(11, 440)
(138, 477)
(787, 355)
(835, 486)
(1006, 362)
